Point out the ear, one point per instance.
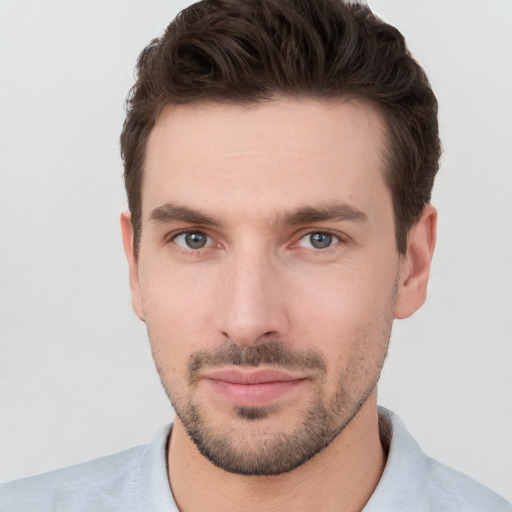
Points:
(415, 264)
(127, 232)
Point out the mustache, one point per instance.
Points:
(271, 353)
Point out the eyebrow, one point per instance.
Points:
(334, 211)
(323, 213)
(170, 212)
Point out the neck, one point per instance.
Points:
(343, 476)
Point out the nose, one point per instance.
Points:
(252, 306)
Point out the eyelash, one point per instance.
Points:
(174, 236)
(189, 250)
(335, 239)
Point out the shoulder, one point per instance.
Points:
(132, 480)
(453, 490)
(413, 481)
(100, 484)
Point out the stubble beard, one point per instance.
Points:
(320, 423)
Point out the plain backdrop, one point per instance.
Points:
(76, 376)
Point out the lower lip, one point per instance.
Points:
(254, 395)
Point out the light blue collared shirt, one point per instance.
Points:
(136, 481)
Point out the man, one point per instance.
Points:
(279, 160)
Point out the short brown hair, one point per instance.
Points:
(249, 51)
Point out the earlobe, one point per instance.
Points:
(127, 233)
(415, 264)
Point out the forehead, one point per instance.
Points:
(281, 154)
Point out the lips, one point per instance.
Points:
(253, 388)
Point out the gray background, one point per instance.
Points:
(76, 376)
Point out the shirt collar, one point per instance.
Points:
(152, 490)
(399, 485)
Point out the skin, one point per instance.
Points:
(260, 281)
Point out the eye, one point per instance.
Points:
(318, 240)
(192, 240)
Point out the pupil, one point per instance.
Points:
(195, 240)
(320, 240)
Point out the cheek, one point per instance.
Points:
(343, 312)
(177, 310)
(344, 295)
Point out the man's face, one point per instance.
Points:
(267, 273)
